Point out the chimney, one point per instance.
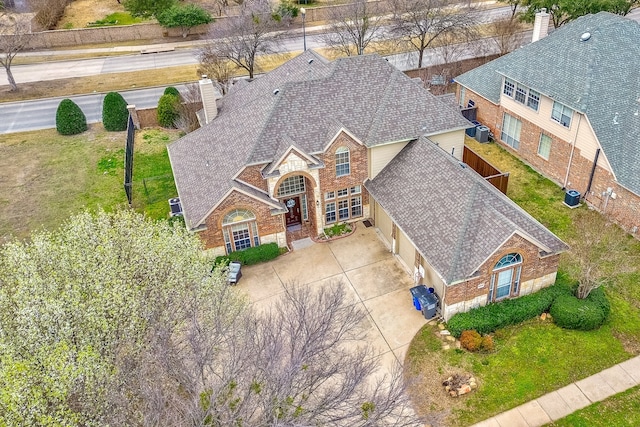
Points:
(208, 95)
(540, 25)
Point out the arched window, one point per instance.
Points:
(240, 230)
(343, 162)
(505, 280)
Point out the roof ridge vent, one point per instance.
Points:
(585, 36)
(277, 91)
(310, 61)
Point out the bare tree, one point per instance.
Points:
(598, 252)
(353, 27)
(190, 103)
(303, 362)
(15, 35)
(513, 5)
(219, 69)
(240, 39)
(506, 34)
(419, 23)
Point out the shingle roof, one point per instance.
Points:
(450, 213)
(315, 99)
(598, 77)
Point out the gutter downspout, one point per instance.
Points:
(593, 172)
(573, 148)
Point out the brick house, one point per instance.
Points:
(569, 106)
(315, 143)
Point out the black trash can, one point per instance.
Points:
(472, 131)
(572, 198)
(419, 293)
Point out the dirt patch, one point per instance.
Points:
(80, 12)
(424, 379)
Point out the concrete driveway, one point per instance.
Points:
(370, 273)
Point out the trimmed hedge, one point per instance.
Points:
(172, 91)
(587, 314)
(168, 110)
(114, 112)
(510, 312)
(70, 120)
(251, 256)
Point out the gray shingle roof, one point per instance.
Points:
(598, 77)
(365, 95)
(453, 216)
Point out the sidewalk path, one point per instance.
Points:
(558, 404)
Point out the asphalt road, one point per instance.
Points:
(40, 114)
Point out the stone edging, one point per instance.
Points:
(342, 236)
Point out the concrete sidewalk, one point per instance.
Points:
(560, 403)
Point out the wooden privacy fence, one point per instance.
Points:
(489, 172)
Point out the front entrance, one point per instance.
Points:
(293, 217)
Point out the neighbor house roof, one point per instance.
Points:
(304, 103)
(453, 216)
(598, 77)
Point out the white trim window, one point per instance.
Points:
(343, 209)
(509, 87)
(303, 205)
(343, 162)
(562, 114)
(521, 94)
(533, 99)
(330, 212)
(544, 146)
(511, 128)
(505, 280)
(356, 206)
(240, 230)
(330, 195)
(291, 185)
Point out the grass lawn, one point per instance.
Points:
(620, 410)
(535, 357)
(46, 177)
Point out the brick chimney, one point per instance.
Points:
(540, 25)
(209, 106)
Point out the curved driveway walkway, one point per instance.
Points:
(372, 276)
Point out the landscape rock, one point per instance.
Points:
(543, 316)
(440, 326)
(450, 338)
(445, 332)
(466, 388)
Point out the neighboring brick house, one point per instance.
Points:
(567, 103)
(300, 149)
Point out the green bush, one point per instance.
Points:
(114, 112)
(172, 91)
(509, 312)
(586, 314)
(70, 120)
(168, 110)
(251, 256)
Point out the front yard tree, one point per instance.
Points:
(147, 8)
(242, 38)
(88, 312)
(15, 35)
(184, 17)
(419, 23)
(118, 320)
(353, 27)
(598, 252)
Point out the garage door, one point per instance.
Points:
(406, 250)
(383, 222)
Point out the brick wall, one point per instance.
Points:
(267, 224)
(359, 168)
(252, 176)
(533, 267)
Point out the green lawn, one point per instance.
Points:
(47, 177)
(535, 357)
(620, 410)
